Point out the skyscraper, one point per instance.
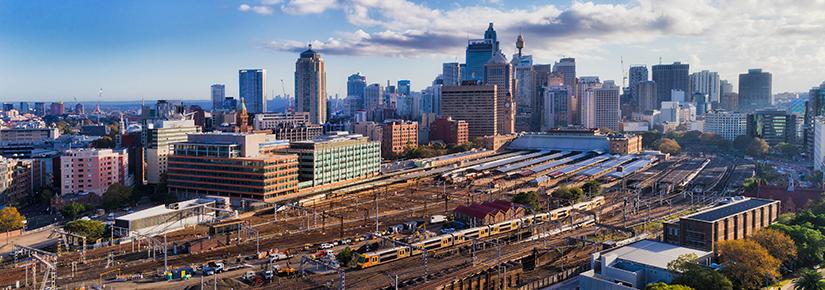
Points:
(451, 73)
(499, 72)
(540, 77)
(523, 65)
(253, 89)
(556, 107)
(567, 68)
(754, 90)
(636, 75)
(670, 77)
(479, 51)
(404, 87)
(708, 83)
(356, 86)
(582, 114)
(311, 86)
(373, 97)
(475, 104)
(218, 94)
(606, 107)
(645, 93)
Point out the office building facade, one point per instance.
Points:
(669, 77)
(736, 220)
(755, 90)
(708, 83)
(499, 72)
(252, 89)
(311, 86)
(727, 125)
(773, 126)
(479, 52)
(397, 136)
(93, 170)
(218, 94)
(335, 157)
(476, 104)
(159, 138)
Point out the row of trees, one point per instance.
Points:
(673, 142)
(438, 149)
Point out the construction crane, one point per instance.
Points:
(283, 89)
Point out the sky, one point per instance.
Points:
(153, 49)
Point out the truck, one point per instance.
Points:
(437, 219)
(213, 268)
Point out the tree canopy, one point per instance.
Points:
(809, 279)
(572, 194)
(91, 229)
(11, 219)
(778, 244)
(592, 187)
(530, 199)
(696, 276)
(117, 195)
(667, 145)
(665, 286)
(72, 210)
(747, 264)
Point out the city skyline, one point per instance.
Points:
(153, 50)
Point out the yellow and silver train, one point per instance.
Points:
(465, 236)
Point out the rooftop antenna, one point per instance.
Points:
(660, 60)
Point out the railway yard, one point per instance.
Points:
(388, 223)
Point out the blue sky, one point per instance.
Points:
(176, 49)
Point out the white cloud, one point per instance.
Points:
(781, 36)
(258, 9)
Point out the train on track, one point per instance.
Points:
(465, 236)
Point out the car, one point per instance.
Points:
(267, 274)
(248, 276)
(325, 246)
(278, 256)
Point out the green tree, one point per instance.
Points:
(787, 150)
(11, 219)
(742, 142)
(117, 195)
(73, 210)
(747, 264)
(809, 279)
(344, 256)
(592, 187)
(571, 194)
(757, 147)
(669, 146)
(778, 244)
(530, 199)
(665, 286)
(810, 243)
(91, 229)
(696, 276)
(103, 143)
(752, 183)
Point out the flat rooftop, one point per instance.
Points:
(653, 253)
(163, 209)
(730, 209)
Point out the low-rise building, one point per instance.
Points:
(370, 129)
(93, 170)
(15, 180)
(335, 157)
(449, 131)
(19, 142)
(397, 136)
(167, 218)
(635, 265)
(625, 143)
(487, 213)
(234, 165)
(738, 218)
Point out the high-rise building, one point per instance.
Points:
(479, 52)
(218, 95)
(238, 166)
(356, 86)
(39, 108)
(473, 103)
(57, 109)
(774, 126)
(727, 125)
(540, 78)
(556, 112)
(725, 87)
(637, 74)
(669, 77)
(373, 97)
(311, 86)
(252, 84)
(814, 107)
(24, 107)
(582, 114)
(159, 138)
(754, 90)
(702, 103)
(729, 101)
(404, 87)
(645, 94)
(818, 143)
(93, 170)
(397, 136)
(607, 113)
(78, 109)
(567, 68)
(451, 73)
(523, 66)
(499, 72)
(708, 83)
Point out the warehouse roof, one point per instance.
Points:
(730, 209)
